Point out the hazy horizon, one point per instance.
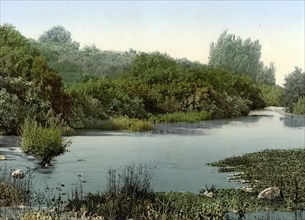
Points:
(182, 29)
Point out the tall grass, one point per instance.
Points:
(131, 124)
(189, 117)
(43, 142)
(118, 124)
(14, 192)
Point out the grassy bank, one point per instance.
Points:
(122, 123)
(189, 117)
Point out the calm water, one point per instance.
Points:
(179, 151)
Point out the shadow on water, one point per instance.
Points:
(201, 128)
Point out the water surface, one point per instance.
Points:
(179, 151)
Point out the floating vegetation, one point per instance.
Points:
(284, 169)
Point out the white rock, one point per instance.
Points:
(2, 157)
(272, 193)
(208, 194)
(18, 174)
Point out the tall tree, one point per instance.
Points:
(239, 56)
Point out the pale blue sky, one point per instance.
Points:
(178, 28)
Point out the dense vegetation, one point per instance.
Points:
(75, 64)
(44, 142)
(53, 78)
(151, 84)
(29, 88)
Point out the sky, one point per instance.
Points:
(182, 29)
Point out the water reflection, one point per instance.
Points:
(202, 128)
(293, 120)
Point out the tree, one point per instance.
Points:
(267, 75)
(294, 88)
(58, 35)
(233, 54)
(16, 54)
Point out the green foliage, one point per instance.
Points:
(74, 64)
(273, 95)
(241, 57)
(294, 88)
(299, 106)
(43, 142)
(195, 87)
(189, 117)
(102, 98)
(16, 54)
(282, 168)
(28, 86)
(152, 84)
(155, 68)
(58, 35)
(130, 124)
(18, 99)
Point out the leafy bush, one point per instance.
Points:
(272, 95)
(43, 142)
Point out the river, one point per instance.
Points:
(178, 151)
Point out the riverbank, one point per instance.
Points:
(130, 194)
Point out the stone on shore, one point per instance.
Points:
(271, 193)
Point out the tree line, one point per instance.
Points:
(53, 79)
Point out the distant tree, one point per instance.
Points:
(267, 75)
(58, 35)
(233, 54)
(294, 88)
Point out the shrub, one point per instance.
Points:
(299, 107)
(43, 142)
(272, 95)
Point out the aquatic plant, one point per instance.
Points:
(44, 142)
(284, 169)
